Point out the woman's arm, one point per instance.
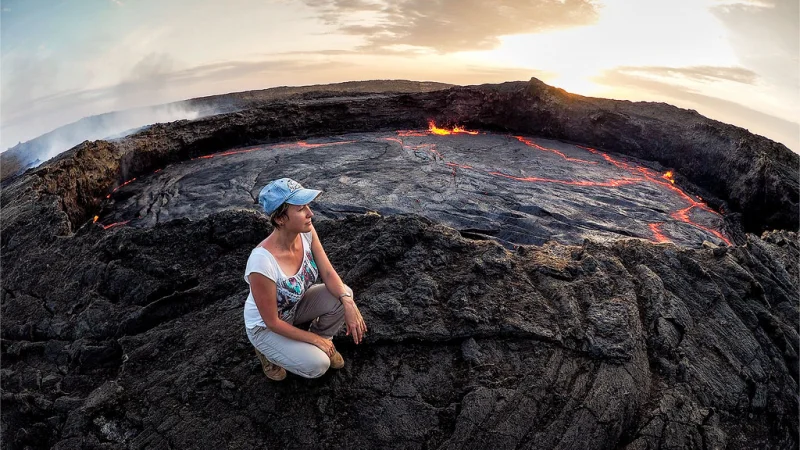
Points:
(328, 274)
(352, 316)
(266, 296)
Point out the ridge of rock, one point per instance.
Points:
(757, 177)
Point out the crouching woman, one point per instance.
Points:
(281, 272)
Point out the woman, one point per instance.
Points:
(281, 272)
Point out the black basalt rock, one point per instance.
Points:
(132, 337)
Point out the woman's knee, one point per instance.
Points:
(315, 367)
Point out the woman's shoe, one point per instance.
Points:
(337, 362)
(273, 371)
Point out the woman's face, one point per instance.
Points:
(298, 219)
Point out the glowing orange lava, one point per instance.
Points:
(457, 130)
(433, 129)
(117, 188)
(611, 183)
(411, 133)
(301, 144)
(460, 166)
(115, 224)
(680, 215)
(436, 130)
(640, 174)
(232, 152)
(659, 235)
(326, 144)
(683, 216)
(530, 143)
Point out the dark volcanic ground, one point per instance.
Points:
(131, 336)
(514, 189)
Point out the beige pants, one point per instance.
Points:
(326, 314)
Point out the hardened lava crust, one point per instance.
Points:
(537, 270)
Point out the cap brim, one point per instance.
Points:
(302, 196)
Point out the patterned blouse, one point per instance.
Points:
(290, 288)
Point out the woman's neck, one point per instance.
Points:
(284, 240)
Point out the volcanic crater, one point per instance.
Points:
(537, 270)
(515, 189)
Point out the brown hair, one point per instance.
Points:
(280, 211)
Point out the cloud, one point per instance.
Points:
(759, 3)
(773, 127)
(475, 74)
(151, 81)
(450, 25)
(766, 37)
(330, 52)
(30, 77)
(226, 70)
(157, 79)
(103, 126)
(698, 73)
(150, 75)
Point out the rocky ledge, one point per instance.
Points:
(132, 337)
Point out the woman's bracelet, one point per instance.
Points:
(346, 294)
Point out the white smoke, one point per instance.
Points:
(113, 125)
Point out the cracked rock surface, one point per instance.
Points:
(631, 345)
(132, 336)
(515, 190)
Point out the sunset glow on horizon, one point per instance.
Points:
(731, 60)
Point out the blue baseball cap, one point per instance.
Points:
(283, 191)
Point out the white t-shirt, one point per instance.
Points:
(290, 288)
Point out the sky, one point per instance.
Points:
(736, 61)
